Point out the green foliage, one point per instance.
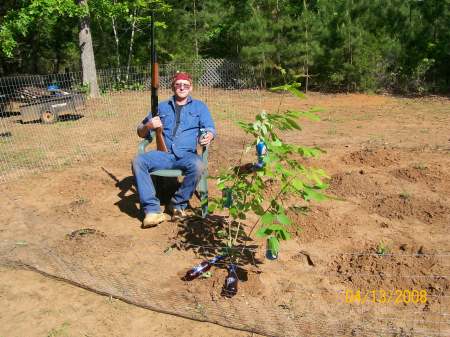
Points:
(61, 331)
(55, 24)
(123, 85)
(348, 45)
(382, 248)
(405, 196)
(283, 172)
(82, 88)
(18, 23)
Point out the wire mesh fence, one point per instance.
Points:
(309, 309)
(49, 121)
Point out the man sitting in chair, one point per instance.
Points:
(181, 118)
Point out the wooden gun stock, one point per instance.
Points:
(160, 144)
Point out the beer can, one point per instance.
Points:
(202, 134)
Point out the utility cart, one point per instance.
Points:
(47, 105)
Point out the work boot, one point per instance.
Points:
(153, 219)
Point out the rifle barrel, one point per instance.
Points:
(160, 144)
(154, 71)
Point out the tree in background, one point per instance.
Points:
(427, 46)
(40, 18)
(27, 32)
(87, 51)
(49, 18)
(348, 45)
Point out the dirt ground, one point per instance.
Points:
(388, 159)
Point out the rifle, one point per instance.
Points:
(160, 144)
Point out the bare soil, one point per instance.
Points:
(387, 228)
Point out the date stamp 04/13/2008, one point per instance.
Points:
(383, 296)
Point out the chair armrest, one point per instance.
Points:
(143, 143)
(202, 186)
(204, 155)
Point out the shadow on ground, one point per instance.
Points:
(61, 118)
(208, 237)
(128, 202)
(6, 114)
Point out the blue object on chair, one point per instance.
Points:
(202, 186)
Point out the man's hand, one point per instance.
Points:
(207, 138)
(154, 123)
(143, 129)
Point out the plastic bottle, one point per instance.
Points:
(261, 151)
(271, 254)
(230, 287)
(201, 268)
(228, 196)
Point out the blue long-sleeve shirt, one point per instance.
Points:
(194, 116)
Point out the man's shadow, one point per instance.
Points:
(129, 198)
(204, 236)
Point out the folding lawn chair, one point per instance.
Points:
(202, 186)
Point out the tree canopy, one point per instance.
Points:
(346, 45)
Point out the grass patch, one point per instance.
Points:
(420, 166)
(105, 114)
(24, 157)
(373, 136)
(363, 117)
(382, 248)
(405, 195)
(66, 124)
(60, 331)
(332, 131)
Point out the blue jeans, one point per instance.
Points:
(190, 164)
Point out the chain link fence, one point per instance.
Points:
(49, 121)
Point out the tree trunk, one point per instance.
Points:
(34, 53)
(130, 51)
(87, 54)
(116, 39)
(277, 19)
(195, 32)
(306, 64)
(58, 60)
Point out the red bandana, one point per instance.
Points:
(181, 76)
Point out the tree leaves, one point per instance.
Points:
(283, 219)
(312, 194)
(267, 218)
(308, 152)
(282, 174)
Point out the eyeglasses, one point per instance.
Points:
(186, 86)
